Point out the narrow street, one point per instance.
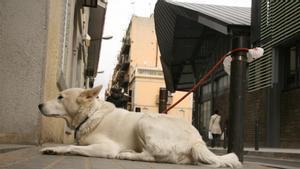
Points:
(29, 157)
(229, 68)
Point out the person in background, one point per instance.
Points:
(215, 128)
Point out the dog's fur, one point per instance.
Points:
(109, 132)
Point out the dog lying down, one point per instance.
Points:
(102, 130)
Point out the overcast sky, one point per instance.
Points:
(118, 15)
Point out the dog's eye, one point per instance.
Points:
(60, 97)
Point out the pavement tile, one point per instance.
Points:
(37, 162)
(102, 163)
(70, 162)
(31, 158)
(18, 156)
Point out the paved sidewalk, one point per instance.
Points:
(283, 153)
(29, 157)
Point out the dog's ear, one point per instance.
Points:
(91, 93)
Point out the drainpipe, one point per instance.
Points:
(238, 88)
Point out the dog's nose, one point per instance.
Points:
(41, 106)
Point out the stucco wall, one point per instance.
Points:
(146, 93)
(40, 54)
(144, 43)
(144, 53)
(52, 129)
(22, 52)
(184, 109)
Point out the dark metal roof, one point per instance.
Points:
(230, 15)
(190, 36)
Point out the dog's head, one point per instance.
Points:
(68, 103)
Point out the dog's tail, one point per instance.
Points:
(201, 153)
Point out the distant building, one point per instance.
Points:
(138, 81)
(46, 46)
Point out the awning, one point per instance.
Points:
(96, 25)
(191, 36)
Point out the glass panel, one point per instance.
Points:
(291, 74)
(216, 86)
(223, 83)
(202, 112)
(206, 113)
(206, 90)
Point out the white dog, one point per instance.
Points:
(102, 130)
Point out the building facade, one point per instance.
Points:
(271, 115)
(138, 81)
(274, 79)
(46, 47)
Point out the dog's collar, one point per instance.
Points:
(78, 127)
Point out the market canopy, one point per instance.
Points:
(191, 36)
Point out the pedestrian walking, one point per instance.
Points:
(215, 128)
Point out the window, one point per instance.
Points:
(223, 83)
(205, 113)
(206, 91)
(292, 66)
(137, 109)
(130, 96)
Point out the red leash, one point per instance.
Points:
(204, 78)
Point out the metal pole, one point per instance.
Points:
(238, 86)
(256, 145)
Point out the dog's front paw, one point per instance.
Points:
(124, 156)
(49, 151)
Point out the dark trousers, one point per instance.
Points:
(215, 140)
